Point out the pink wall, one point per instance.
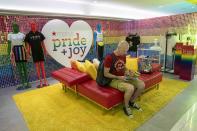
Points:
(160, 25)
(110, 27)
(146, 27)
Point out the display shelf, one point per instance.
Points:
(154, 55)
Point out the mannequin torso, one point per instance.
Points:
(15, 41)
(35, 41)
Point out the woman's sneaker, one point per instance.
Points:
(128, 112)
(135, 105)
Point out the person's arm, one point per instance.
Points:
(42, 43)
(109, 75)
(28, 50)
(44, 48)
(27, 46)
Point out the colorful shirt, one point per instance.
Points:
(119, 64)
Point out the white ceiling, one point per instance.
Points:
(116, 9)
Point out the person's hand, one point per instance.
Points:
(131, 73)
(121, 77)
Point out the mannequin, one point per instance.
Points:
(34, 41)
(17, 53)
(98, 42)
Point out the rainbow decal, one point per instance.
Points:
(177, 61)
(187, 63)
(3, 49)
(192, 1)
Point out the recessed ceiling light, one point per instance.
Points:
(193, 7)
(161, 6)
(95, 1)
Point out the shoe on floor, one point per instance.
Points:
(135, 105)
(39, 86)
(45, 84)
(128, 112)
(20, 88)
(28, 86)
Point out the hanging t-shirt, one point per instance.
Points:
(16, 39)
(35, 41)
(135, 39)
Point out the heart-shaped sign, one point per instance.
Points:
(65, 43)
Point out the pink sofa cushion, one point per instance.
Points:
(156, 67)
(105, 96)
(151, 79)
(70, 76)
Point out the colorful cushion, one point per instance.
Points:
(132, 63)
(96, 63)
(70, 76)
(80, 66)
(90, 69)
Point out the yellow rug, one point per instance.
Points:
(51, 109)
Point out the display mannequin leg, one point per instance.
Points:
(100, 50)
(21, 76)
(24, 67)
(43, 73)
(38, 73)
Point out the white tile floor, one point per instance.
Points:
(188, 121)
(179, 115)
(171, 114)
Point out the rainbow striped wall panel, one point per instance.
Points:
(187, 63)
(177, 59)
